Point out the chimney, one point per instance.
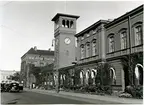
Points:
(35, 48)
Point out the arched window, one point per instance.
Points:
(137, 29)
(94, 50)
(111, 42)
(82, 51)
(71, 24)
(61, 79)
(87, 49)
(123, 38)
(138, 35)
(87, 76)
(81, 77)
(63, 23)
(67, 24)
(93, 75)
(113, 75)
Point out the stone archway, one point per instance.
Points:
(87, 76)
(139, 74)
(93, 75)
(82, 77)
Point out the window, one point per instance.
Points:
(94, 50)
(57, 24)
(82, 37)
(87, 49)
(67, 24)
(87, 34)
(138, 35)
(82, 51)
(111, 43)
(87, 77)
(123, 38)
(71, 24)
(63, 23)
(94, 31)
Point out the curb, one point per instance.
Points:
(89, 96)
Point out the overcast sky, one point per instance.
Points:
(25, 24)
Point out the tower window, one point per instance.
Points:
(67, 24)
(63, 23)
(71, 24)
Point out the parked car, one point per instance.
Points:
(20, 86)
(15, 86)
(2, 87)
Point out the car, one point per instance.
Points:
(14, 87)
(21, 86)
(2, 87)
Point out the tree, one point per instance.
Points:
(15, 76)
(129, 62)
(40, 73)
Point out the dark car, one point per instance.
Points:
(14, 87)
(20, 86)
(2, 87)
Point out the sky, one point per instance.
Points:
(25, 24)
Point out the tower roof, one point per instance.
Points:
(61, 14)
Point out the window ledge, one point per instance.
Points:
(123, 49)
(111, 52)
(88, 57)
(137, 45)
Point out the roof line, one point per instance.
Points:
(62, 14)
(91, 26)
(124, 16)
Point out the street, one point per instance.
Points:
(27, 97)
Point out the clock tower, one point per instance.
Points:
(64, 31)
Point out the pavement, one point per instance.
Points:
(91, 97)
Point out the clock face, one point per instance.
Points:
(67, 40)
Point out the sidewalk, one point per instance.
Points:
(91, 97)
